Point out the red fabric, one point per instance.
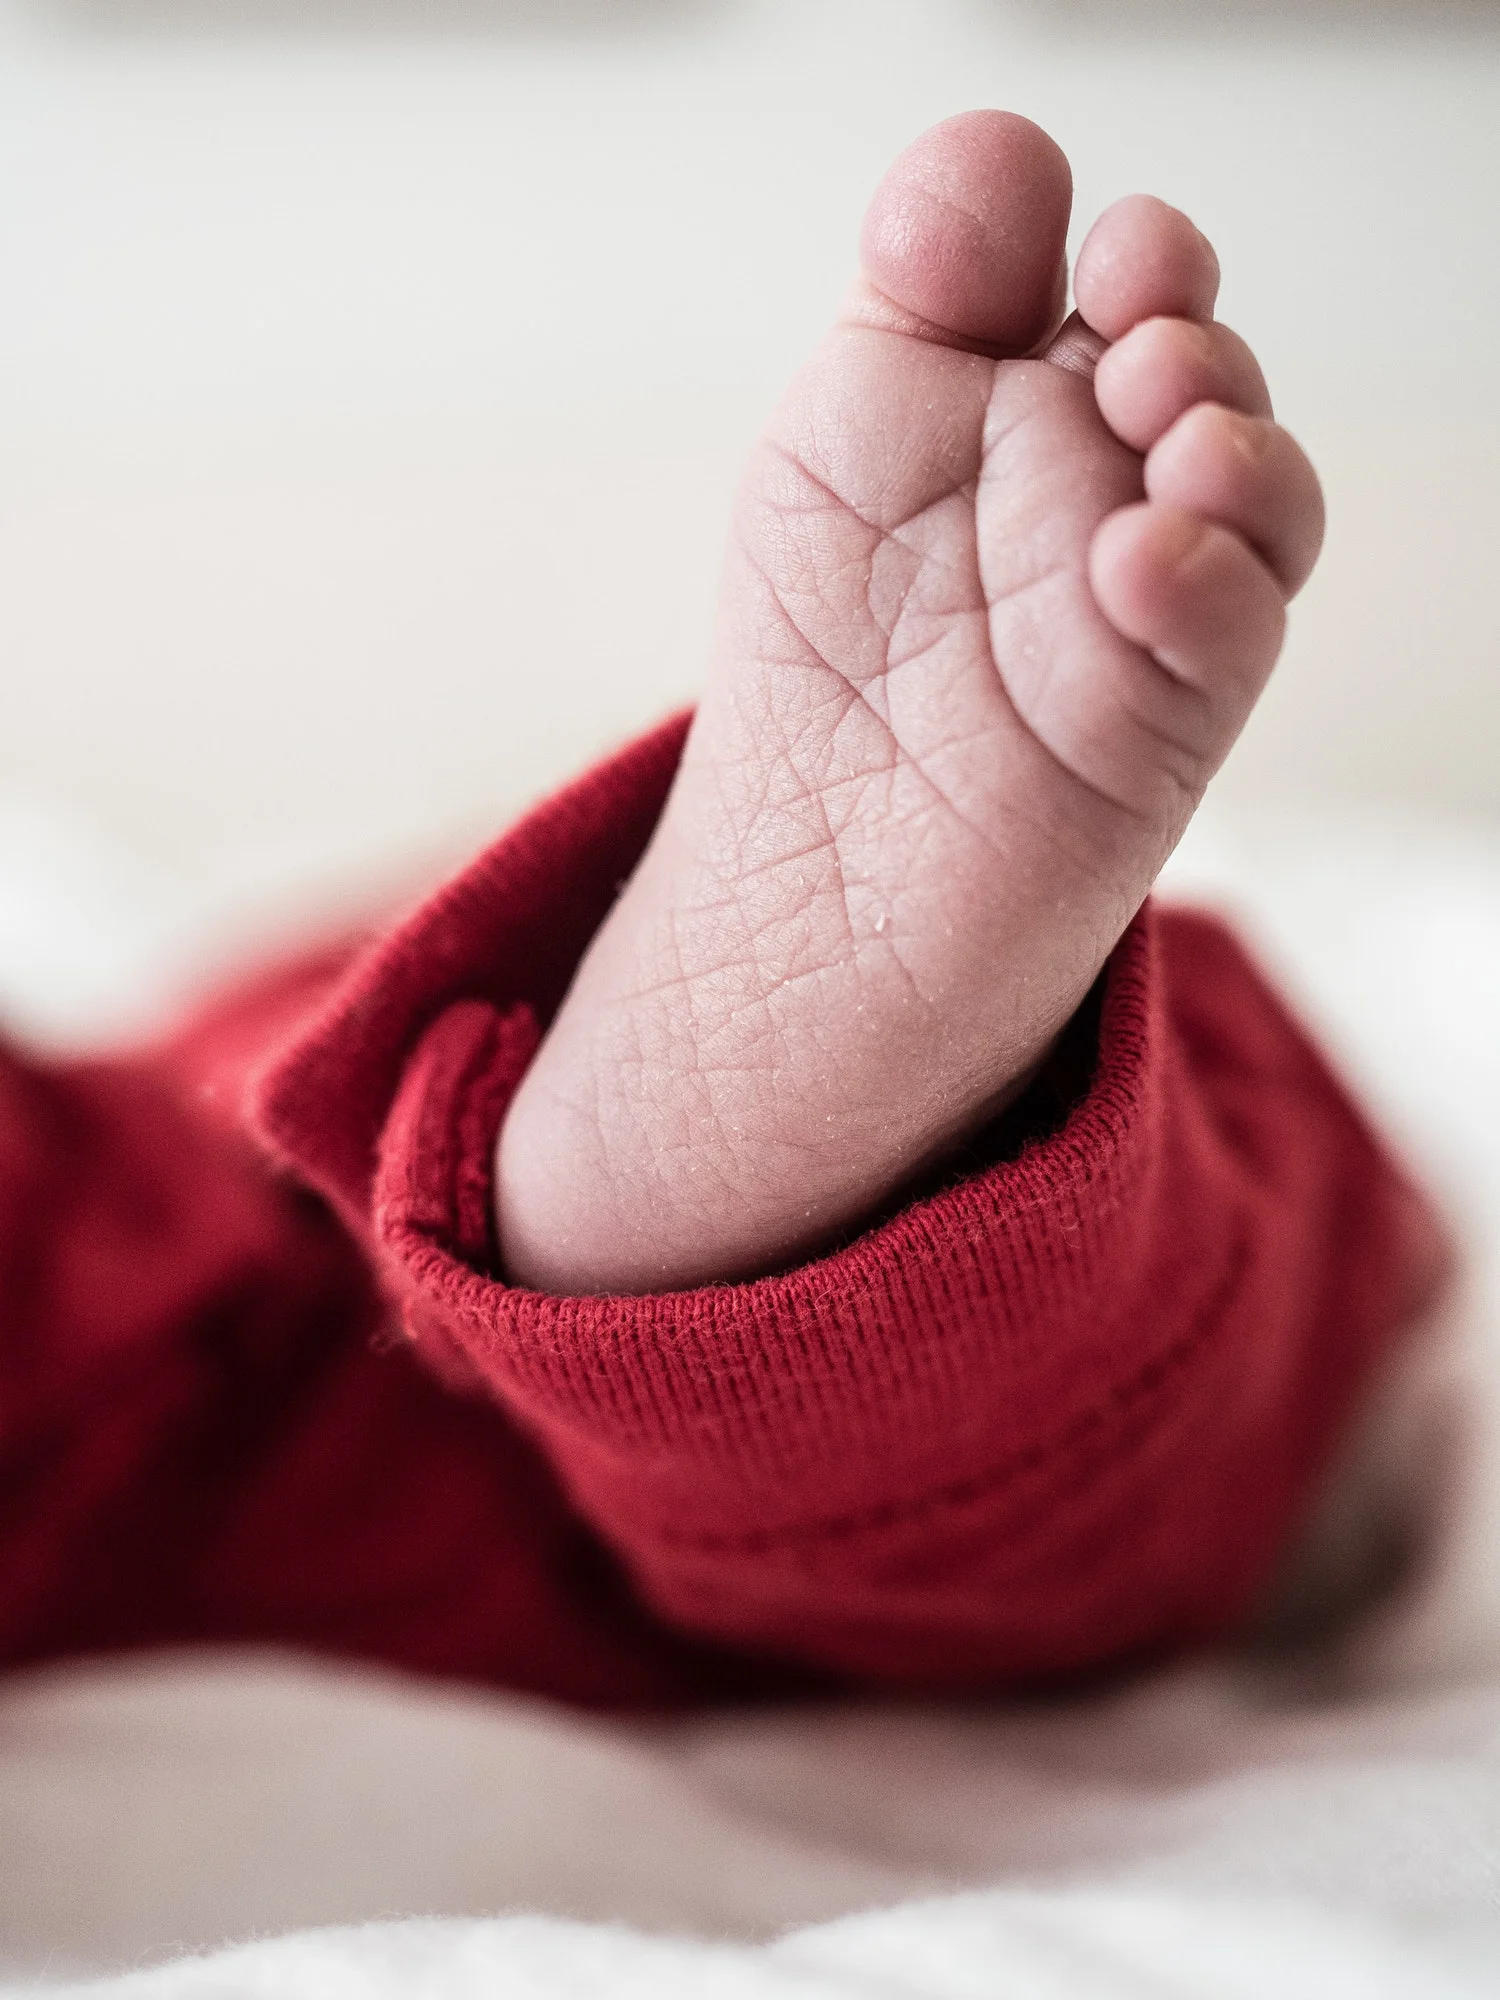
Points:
(1056, 1413)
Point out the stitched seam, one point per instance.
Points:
(1123, 1399)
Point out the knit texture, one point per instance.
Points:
(1061, 1410)
(1057, 1413)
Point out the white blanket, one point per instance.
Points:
(1321, 1826)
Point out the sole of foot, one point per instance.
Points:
(1001, 591)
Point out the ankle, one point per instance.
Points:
(651, 1149)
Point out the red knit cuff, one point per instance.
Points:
(1059, 1412)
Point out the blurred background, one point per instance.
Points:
(374, 375)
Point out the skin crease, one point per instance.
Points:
(999, 597)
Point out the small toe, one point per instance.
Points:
(1196, 597)
(1248, 474)
(1144, 260)
(1164, 367)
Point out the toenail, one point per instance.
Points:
(1248, 442)
(1192, 544)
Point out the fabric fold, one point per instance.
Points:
(1060, 1412)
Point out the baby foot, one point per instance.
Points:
(999, 598)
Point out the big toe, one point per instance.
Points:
(968, 231)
